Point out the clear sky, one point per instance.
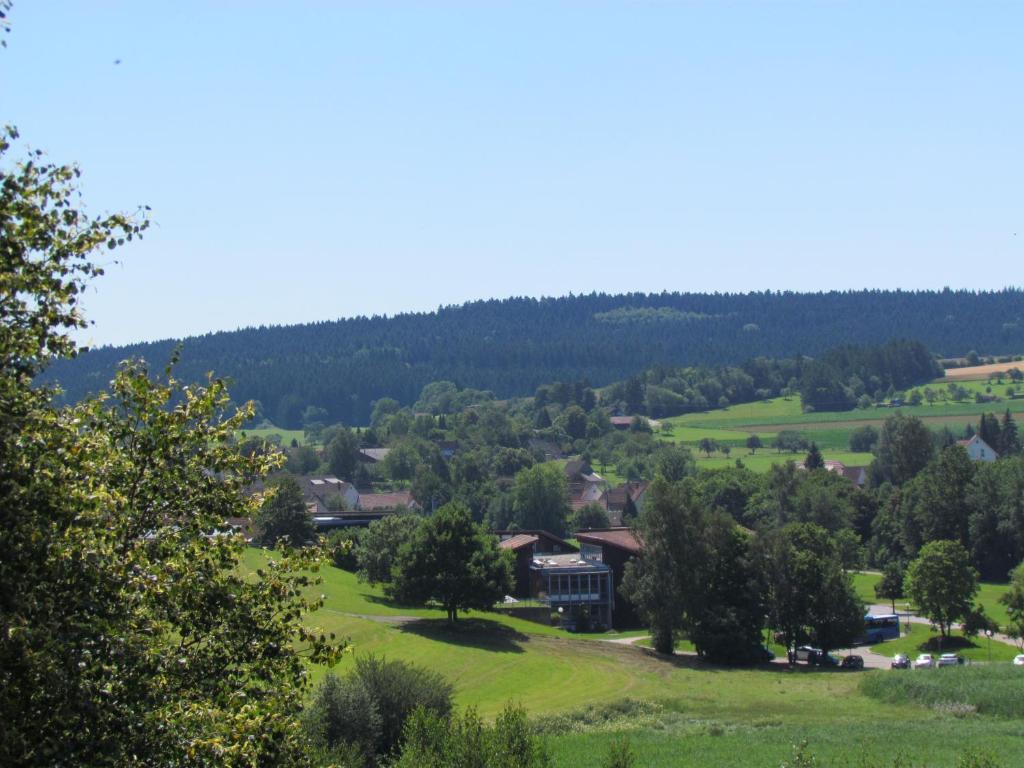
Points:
(314, 160)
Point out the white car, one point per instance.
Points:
(949, 660)
(1018, 660)
(924, 661)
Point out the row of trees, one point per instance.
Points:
(703, 575)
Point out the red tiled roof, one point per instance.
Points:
(371, 501)
(518, 541)
(621, 538)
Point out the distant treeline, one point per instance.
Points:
(838, 381)
(512, 346)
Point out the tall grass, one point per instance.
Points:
(988, 690)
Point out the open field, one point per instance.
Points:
(690, 713)
(286, 435)
(829, 430)
(980, 371)
(763, 460)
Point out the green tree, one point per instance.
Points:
(453, 561)
(904, 448)
(753, 443)
(891, 585)
(726, 614)
(864, 439)
(379, 544)
(591, 515)
(788, 440)
(343, 454)
(814, 460)
(302, 459)
(128, 633)
(540, 498)
(1013, 599)
(573, 422)
(809, 595)
(1009, 437)
(663, 581)
(675, 463)
(708, 446)
(942, 583)
(383, 409)
(283, 515)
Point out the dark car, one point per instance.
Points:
(853, 662)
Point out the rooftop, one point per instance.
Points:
(573, 561)
(621, 538)
(518, 541)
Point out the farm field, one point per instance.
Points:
(677, 711)
(286, 435)
(829, 430)
(980, 371)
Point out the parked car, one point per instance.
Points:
(949, 660)
(822, 659)
(807, 653)
(900, 661)
(1018, 660)
(853, 662)
(924, 661)
(765, 654)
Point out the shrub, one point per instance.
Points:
(398, 689)
(343, 722)
(342, 545)
(359, 719)
(466, 741)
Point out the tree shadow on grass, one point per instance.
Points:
(692, 661)
(484, 634)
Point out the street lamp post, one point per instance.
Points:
(988, 634)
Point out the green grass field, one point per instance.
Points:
(286, 435)
(690, 713)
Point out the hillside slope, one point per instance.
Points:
(513, 345)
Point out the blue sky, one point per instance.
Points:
(313, 160)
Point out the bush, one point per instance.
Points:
(342, 545)
(343, 723)
(466, 741)
(398, 689)
(359, 719)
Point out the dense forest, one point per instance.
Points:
(512, 346)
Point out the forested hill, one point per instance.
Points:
(511, 346)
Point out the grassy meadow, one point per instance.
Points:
(585, 692)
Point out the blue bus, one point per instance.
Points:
(878, 628)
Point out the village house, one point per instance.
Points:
(978, 449)
(623, 501)
(373, 455)
(585, 485)
(526, 545)
(387, 502)
(550, 571)
(613, 547)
